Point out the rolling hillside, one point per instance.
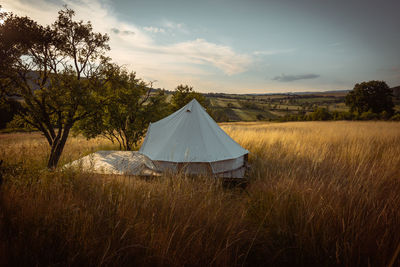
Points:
(265, 107)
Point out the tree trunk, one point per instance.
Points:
(57, 148)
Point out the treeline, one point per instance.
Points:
(323, 114)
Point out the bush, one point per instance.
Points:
(384, 115)
(369, 115)
(395, 117)
(7, 112)
(320, 114)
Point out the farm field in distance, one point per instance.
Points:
(259, 107)
(319, 193)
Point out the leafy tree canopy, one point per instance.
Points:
(124, 109)
(184, 94)
(320, 114)
(374, 96)
(55, 70)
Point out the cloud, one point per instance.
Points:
(40, 9)
(154, 29)
(176, 27)
(200, 51)
(291, 78)
(116, 31)
(137, 48)
(173, 25)
(273, 52)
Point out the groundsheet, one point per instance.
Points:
(115, 162)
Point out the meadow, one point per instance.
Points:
(319, 193)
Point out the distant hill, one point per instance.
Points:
(335, 92)
(265, 107)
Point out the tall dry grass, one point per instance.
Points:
(320, 193)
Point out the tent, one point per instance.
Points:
(190, 140)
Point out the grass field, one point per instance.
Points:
(319, 193)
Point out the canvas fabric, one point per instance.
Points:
(190, 139)
(201, 167)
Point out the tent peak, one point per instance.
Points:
(189, 105)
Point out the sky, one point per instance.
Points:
(243, 46)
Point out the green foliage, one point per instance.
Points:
(45, 66)
(7, 111)
(384, 115)
(395, 117)
(374, 96)
(184, 94)
(344, 115)
(369, 115)
(19, 124)
(124, 110)
(249, 105)
(320, 114)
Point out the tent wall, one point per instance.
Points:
(238, 173)
(227, 165)
(232, 168)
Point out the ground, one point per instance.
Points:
(319, 193)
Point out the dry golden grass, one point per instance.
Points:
(33, 149)
(320, 193)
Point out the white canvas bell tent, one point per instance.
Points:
(190, 140)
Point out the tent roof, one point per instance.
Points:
(189, 135)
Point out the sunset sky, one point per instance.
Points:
(248, 46)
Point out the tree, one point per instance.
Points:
(368, 115)
(124, 110)
(320, 114)
(7, 111)
(184, 94)
(56, 71)
(374, 96)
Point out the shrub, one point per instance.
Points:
(395, 117)
(369, 115)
